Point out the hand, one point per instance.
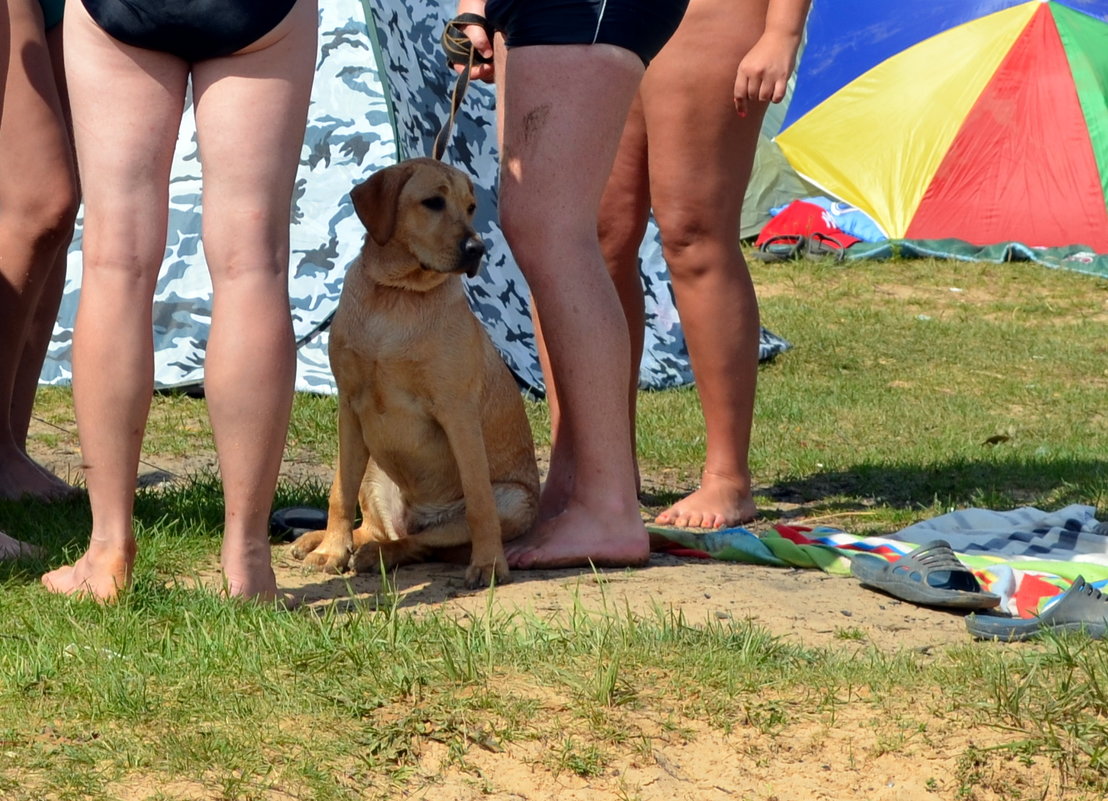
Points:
(482, 44)
(764, 72)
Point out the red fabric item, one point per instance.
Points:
(804, 219)
(1022, 167)
(689, 553)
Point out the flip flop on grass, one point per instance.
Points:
(783, 247)
(931, 575)
(1081, 608)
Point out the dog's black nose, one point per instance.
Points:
(470, 258)
(473, 248)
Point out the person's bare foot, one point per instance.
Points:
(21, 476)
(553, 496)
(11, 548)
(720, 501)
(577, 538)
(101, 574)
(248, 572)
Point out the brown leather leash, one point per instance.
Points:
(459, 50)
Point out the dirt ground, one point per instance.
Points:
(806, 606)
(918, 754)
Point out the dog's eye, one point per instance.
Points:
(436, 203)
(472, 208)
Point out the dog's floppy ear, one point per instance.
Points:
(376, 200)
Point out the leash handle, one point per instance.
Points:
(459, 50)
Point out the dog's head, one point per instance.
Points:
(421, 213)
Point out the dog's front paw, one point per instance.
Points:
(485, 575)
(322, 550)
(328, 562)
(306, 543)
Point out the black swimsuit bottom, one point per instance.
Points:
(641, 26)
(193, 30)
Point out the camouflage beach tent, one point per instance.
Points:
(380, 92)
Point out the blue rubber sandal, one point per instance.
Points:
(289, 523)
(931, 575)
(1081, 608)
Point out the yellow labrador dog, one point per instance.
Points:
(434, 443)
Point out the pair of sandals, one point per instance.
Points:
(787, 247)
(932, 575)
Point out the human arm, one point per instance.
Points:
(481, 40)
(764, 72)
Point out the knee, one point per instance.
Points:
(685, 230)
(540, 234)
(621, 233)
(46, 212)
(255, 250)
(693, 246)
(519, 224)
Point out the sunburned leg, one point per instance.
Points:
(624, 211)
(550, 221)
(40, 330)
(251, 115)
(126, 121)
(38, 203)
(701, 154)
(41, 326)
(557, 484)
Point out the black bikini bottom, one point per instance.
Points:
(641, 26)
(193, 30)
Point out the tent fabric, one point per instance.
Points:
(1075, 258)
(380, 93)
(349, 135)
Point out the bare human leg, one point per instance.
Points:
(624, 209)
(251, 112)
(38, 204)
(41, 325)
(549, 213)
(700, 157)
(126, 122)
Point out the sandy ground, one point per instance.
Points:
(805, 606)
(854, 754)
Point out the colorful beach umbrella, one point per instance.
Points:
(981, 120)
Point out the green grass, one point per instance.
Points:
(879, 416)
(876, 409)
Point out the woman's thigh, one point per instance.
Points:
(35, 160)
(700, 150)
(564, 109)
(251, 113)
(126, 104)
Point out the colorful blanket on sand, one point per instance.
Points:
(1025, 585)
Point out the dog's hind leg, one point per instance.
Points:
(445, 534)
(517, 505)
(447, 531)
